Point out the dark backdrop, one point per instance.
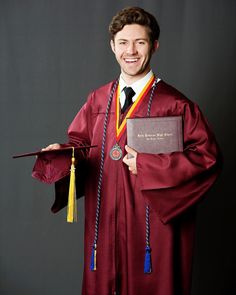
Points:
(52, 53)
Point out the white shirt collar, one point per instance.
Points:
(137, 86)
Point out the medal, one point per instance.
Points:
(116, 152)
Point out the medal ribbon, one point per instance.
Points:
(121, 128)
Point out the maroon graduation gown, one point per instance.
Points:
(172, 184)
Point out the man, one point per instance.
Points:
(140, 211)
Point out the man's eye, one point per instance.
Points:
(122, 43)
(141, 42)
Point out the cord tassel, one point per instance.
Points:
(148, 261)
(72, 205)
(93, 263)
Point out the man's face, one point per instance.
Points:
(133, 51)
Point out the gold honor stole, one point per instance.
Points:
(120, 128)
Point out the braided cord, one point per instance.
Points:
(102, 164)
(151, 98)
(147, 222)
(147, 262)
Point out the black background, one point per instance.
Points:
(52, 53)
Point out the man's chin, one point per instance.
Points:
(136, 73)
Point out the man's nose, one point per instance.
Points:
(131, 49)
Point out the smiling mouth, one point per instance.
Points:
(131, 60)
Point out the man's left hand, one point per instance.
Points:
(131, 163)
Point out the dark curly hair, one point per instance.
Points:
(135, 15)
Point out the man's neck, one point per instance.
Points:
(132, 79)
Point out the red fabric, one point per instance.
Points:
(171, 184)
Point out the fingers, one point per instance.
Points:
(126, 160)
(53, 146)
(132, 170)
(130, 151)
(131, 161)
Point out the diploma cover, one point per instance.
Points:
(155, 135)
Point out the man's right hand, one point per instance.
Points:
(50, 147)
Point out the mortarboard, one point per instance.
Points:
(58, 166)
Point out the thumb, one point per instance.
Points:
(130, 150)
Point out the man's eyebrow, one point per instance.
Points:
(138, 39)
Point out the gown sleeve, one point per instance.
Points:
(172, 183)
(55, 168)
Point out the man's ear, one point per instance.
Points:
(155, 46)
(112, 45)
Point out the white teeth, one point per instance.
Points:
(131, 59)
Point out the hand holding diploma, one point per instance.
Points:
(131, 162)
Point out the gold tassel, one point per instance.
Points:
(72, 205)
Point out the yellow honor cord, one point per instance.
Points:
(72, 205)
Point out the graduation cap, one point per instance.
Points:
(62, 150)
(52, 165)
